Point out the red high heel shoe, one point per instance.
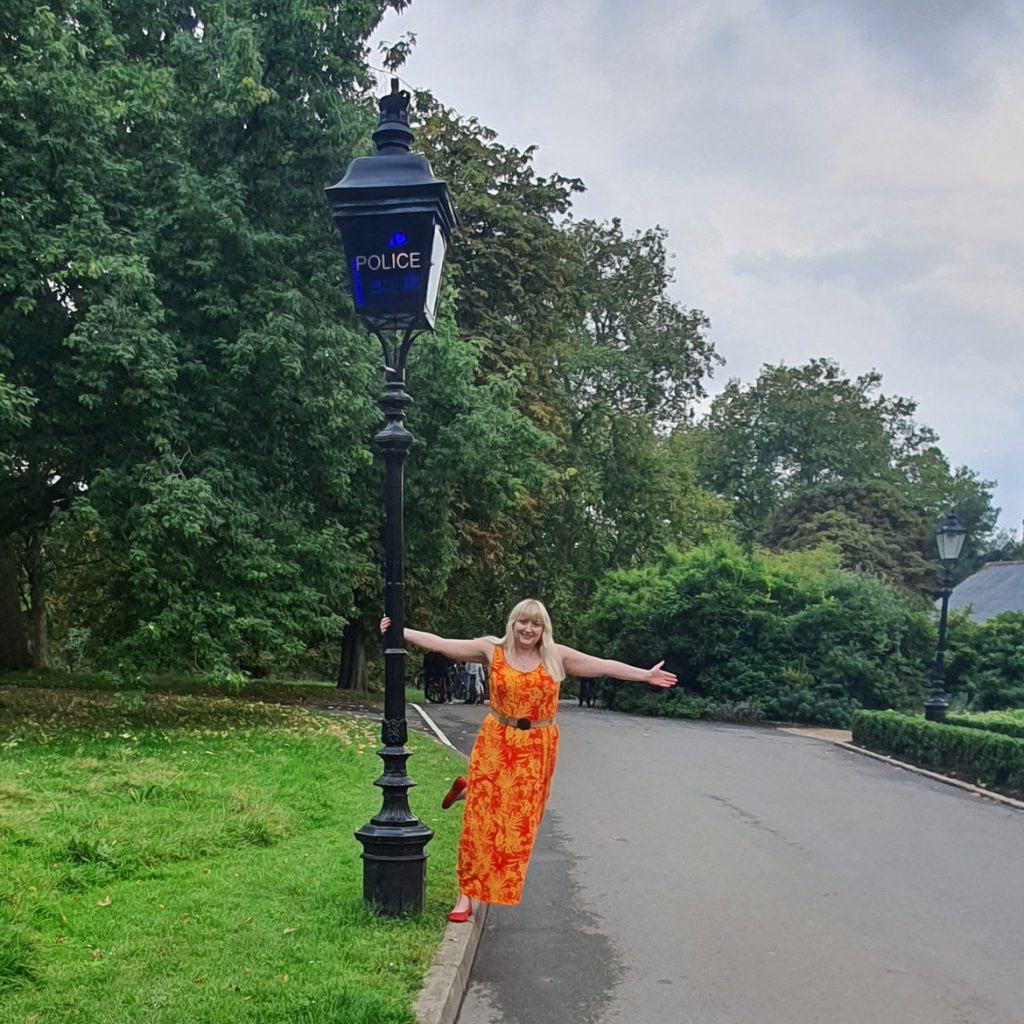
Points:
(461, 915)
(453, 794)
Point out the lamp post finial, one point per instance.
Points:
(393, 134)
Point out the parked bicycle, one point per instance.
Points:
(437, 672)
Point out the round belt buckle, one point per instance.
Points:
(522, 723)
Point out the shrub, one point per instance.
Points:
(791, 634)
(1008, 723)
(736, 711)
(802, 705)
(643, 700)
(974, 755)
(986, 661)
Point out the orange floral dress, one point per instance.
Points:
(510, 774)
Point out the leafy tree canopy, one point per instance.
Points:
(808, 454)
(873, 525)
(797, 428)
(180, 365)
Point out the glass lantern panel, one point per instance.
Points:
(389, 263)
(436, 266)
(950, 540)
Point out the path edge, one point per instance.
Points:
(967, 787)
(447, 979)
(1007, 801)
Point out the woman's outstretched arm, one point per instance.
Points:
(478, 649)
(577, 663)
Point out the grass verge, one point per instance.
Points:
(184, 859)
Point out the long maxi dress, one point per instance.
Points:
(510, 771)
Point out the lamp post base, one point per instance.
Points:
(394, 840)
(935, 709)
(395, 867)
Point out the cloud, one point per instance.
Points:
(941, 50)
(841, 179)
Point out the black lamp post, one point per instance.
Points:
(396, 220)
(950, 540)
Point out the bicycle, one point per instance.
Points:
(435, 690)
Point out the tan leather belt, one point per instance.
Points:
(521, 723)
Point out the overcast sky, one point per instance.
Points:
(838, 178)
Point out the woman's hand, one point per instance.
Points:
(384, 623)
(657, 676)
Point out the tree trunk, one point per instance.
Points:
(37, 622)
(352, 674)
(14, 652)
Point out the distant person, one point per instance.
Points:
(586, 691)
(475, 685)
(461, 690)
(513, 758)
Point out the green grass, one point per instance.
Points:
(185, 859)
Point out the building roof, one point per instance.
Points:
(996, 587)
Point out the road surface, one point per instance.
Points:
(699, 873)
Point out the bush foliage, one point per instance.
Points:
(780, 636)
(985, 669)
(1008, 723)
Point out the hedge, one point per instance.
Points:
(986, 758)
(1007, 723)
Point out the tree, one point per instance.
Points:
(810, 456)
(633, 348)
(172, 304)
(577, 317)
(940, 489)
(798, 428)
(1005, 548)
(630, 369)
(510, 259)
(873, 525)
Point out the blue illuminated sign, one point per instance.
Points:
(390, 265)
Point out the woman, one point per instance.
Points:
(513, 758)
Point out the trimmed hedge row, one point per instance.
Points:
(1002, 722)
(985, 758)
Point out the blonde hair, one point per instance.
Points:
(533, 611)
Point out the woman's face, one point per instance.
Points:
(527, 633)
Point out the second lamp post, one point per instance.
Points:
(950, 540)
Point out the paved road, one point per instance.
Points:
(690, 872)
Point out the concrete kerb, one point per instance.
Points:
(443, 989)
(446, 982)
(1007, 801)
